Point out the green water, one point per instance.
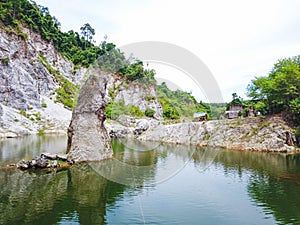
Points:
(150, 183)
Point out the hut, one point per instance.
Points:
(200, 116)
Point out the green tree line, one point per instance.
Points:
(80, 49)
(279, 91)
(178, 103)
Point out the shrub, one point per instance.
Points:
(149, 112)
(38, 116)
(135, 111)
(149, 98)
(41, 131)
(5, 61)
(23, 113)
(44, 104)
(115, 109)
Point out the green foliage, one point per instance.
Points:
(44, 61)
(41, 132)
(116, 109)
(150, 98)
(178, 103)
(217, 109)
(236, 100)
(136, 71)
(112, 91)
(240, 114)
(38, 116)
(88, 32)
(280, 90)
(5, 61)
(149, 112)
(67, 92)
(135, 111)
(80, 50)
(44, 104)
(23, 113)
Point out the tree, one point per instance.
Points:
(88, 32)
(280, 90)
(236, 100)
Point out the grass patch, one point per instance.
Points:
(264, 124)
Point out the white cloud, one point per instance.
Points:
(236, 39)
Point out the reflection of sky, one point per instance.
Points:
(12, 150)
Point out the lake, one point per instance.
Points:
(150, 183)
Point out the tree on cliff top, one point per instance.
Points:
(88, 32)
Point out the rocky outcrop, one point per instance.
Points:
(129, 127)
(88, 139)
(140, 93)
(28, 83)
(249, 134)
(45, 160)
(24, 77)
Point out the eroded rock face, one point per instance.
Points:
(88, 139)
(24, 78)
(248, 134)
(28, 83)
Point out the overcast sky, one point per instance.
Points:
(237, 40)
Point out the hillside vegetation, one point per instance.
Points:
(179, 103)
(80, 49)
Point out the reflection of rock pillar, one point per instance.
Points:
(90, 196)
(87, 137)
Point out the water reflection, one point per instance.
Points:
(14, 149)
(87, 193)
(274, 181)
(47, 198)
(144, 167)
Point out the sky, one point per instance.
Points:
(237, 40)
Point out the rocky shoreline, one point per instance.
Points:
(269, 134)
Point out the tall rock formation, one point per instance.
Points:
(87, 137)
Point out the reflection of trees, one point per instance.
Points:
(280, 195)
(44, 198)
(139, 163)
(274, 183)
(269, 163)
(41, 197)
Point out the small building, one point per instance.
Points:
(200, 116)
(236, 108)
(232, 114)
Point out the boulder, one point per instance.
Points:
(47, 155)
(126, 121)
